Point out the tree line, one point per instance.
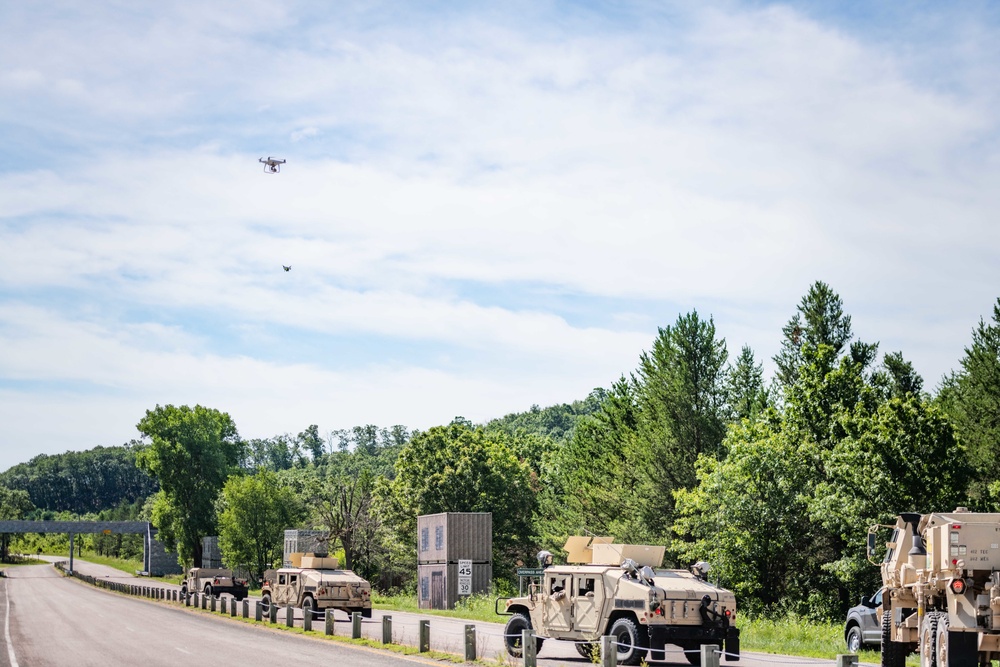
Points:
(774, 481)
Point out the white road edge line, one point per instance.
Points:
(6, 627)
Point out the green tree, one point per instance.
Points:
(595, 482)
(901, 456)
(820, 320)
(458, 468)
(82, 482)
(14, 506)
(902, 378)
(680, 393)
(254, 511)
(971, 397)
(311, 441)
(748, 517)
(191, 452)
(746, 393)
(345, 511)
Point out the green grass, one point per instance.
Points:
(27, 560)
(125, 565)
(787, 636)
(475, 607)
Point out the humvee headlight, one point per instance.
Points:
(958, 586)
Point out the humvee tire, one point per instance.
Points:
(588, 651)
(265, 603)
(631, 645)
(512, 635)
(208, 590)
(184, 592)
(693, 655)
(366, 613)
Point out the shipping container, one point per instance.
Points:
(443, 540)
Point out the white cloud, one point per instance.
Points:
(439, 179)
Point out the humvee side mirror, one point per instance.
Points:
(871, 545)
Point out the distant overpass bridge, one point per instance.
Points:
(156, 560)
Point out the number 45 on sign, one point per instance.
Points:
(464, 577)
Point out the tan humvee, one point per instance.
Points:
(213, 581)
(315, 584)
(613, 589)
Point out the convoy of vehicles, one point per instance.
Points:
(315, 584)
(941, 589)
(617, 590)
(213, 581)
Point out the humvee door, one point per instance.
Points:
(588, 599)
(285, 591)
(556, 605)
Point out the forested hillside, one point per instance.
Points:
(772, 480)
(80, 482)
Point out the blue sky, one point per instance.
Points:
(485, 206)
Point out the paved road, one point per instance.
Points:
(60, 621)
(447, 634)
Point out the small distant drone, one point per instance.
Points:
(286, 268)
(271, 164)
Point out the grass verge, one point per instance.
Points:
(475, 607)
(23, 561)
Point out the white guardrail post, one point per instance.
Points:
(528, 647)
(609, 652)
(470, 643)
(356, 625)
(425, 636)
(847, 660)
(709, 655)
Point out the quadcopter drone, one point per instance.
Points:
(271, 164)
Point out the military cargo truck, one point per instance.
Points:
(619, 590)
(314, 583)
(213, 581)
(941, 596)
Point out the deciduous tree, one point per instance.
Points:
(191, 452)
(254, 511)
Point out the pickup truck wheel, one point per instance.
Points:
(631, 644)
(854, 639)
(512, 635)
